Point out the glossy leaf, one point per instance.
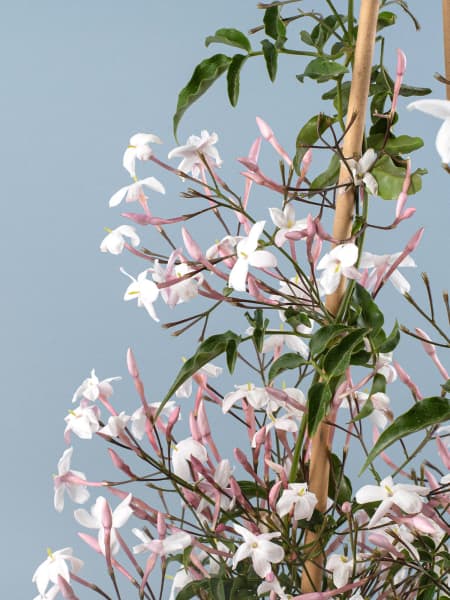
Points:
(371, 316)
(323, 336)
(322, 69)
(427, 412)
(233, 77)
(309, 134)
(390, 178)
(409, 90)
(230, 37)
(231, 354)
(386, 19)
(208, 350)
(338, 358)
(329, 177)
(392, 341)
(378, 385)
(319, 398)
(274, 25)
(286, 362)
(271, 57)
(204, 75)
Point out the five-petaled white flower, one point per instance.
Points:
(381, 264)
(138, 149)
(143, 290)
(285, 220)
(54, 565)
(360, 170)
(191, 151)
(275, 341)
(341, 567)
(181, 456)
(114, 242)
(297, 497)
(260, 549)
(272, 585)
(338, 262)
(68, 481)
(116, 425)
(92, 388)
(259, 398)
(407, 497)
(441, 110)
(94, 520)
(135, 191)
(247, 254)
(168, 545)
(83, 421)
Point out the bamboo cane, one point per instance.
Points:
(343, 219)
(446, 26)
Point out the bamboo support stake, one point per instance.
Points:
(343, 220)
(446, 26)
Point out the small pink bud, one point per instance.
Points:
(106, 514)
(66, 589)
(138, 218)
(173, 418)
(191, 246)
(131, 364)
(119, 464)
(346, 507)
(401, 62)
(415, 240)
(202, 421)
(273, 494)
(161, 525)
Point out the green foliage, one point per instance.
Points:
(427, 412)
(329, 177)
(338, 358)
(204, 75)
(233, 77)
(286, 362)
(274, 26)
(309, 134)
(322, 69)
(271, 57)
(390, 177)
(230, 37)
(339, 486)
(378, 385)
(319, 398)
(208, 350)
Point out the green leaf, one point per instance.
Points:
(391, 342)
(322, 69)
(409, 90)
(250, 489)
(427, 412)
(306, 38)
(285, 362)
(378, 385)
(232, 353)
(204, 75)
(295, 318)
(192, 589)
(323, 336)
(371, 316)
(231, 37)
(338, 358)
(319, 398)
(386, 19)
(309, 134)
(324, 30)
(208, 350)
(402, 144)
(328, 177)
(271, 57)
(274, 25)
(233, 75)
(339, 486)
(446, 386)
(390, 178)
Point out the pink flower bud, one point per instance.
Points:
(194, 428)
(161, 525)
(191, 245)
(131, 364)
(415, 240)
(66, 589)
(202, 421)
(273, 494)
(119, 464)
(346, 507)
(138, 218)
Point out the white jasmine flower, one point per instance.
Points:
(135, 191)
(191, 151)
(92, 388)
(360, 170)
(114, 242)
(286, 221)
(144, 291)
(138, 148)
(65, 481)
(298, 498)
(260, 549)
(339, 262)
(441, 110)
(54, 565)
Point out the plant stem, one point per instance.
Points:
(342, 227)
(446, 26)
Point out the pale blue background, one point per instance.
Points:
(78, 78)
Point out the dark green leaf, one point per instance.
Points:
(339, 487)
(322, 69)
(309, 134)
(250, 489)
(295, 318)
(446, 386)
(390, 178)
(386, 19)
(286, 362)
(371, 316)
(361, 358)
(271, 57)
(324, 30)
(231, 37)
(319, 398)
(192, 589)
(274, 25)
(232, 353)
(378, 386)
(204, 75)
(306, 38)
(427, 412)
(328, 177)
(322, 337)
(244, 588)
(403, 144)
(391, 342)
(212, 347)
(338, 358)
(233, 75)
(409, 90)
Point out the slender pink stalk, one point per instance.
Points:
(268, 135)
(401, 68)
(430, 349)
